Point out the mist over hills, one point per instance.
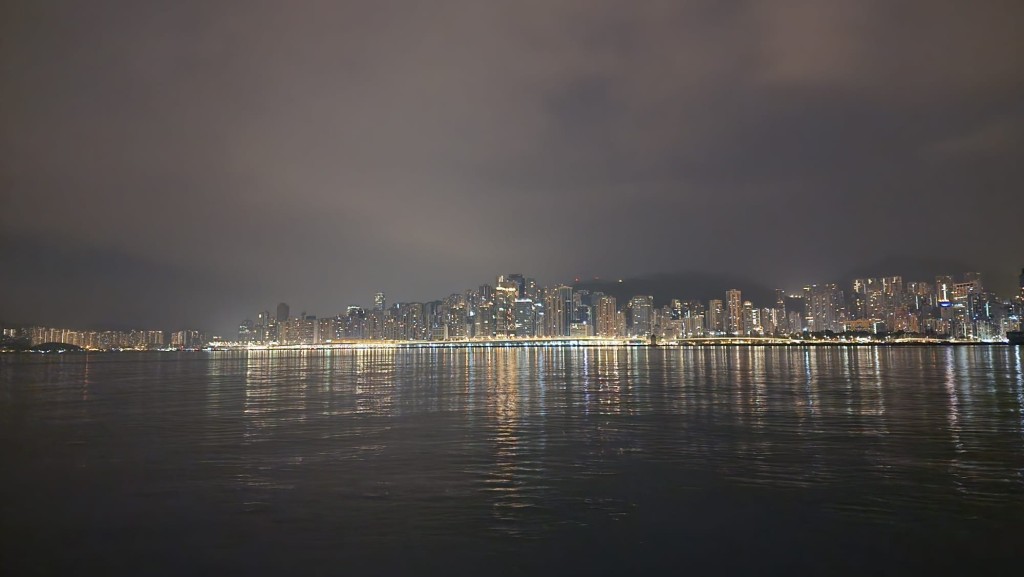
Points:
(1001, 281)
(911, 269)
(681, 285)
(703, 286)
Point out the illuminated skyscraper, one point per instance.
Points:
(540, 323)
(484, 320)
(328, 329)
(768, 321)
(246, 331)
(187, 339)
(355, 323)
(605, 318)
(779, 314)
(505, 293)
(716, 317)
(376, 321)
(641, 315)
(486, 292)
(454, 316)
(302, 330)
(751, 319)
(558, 311)
(677, 309)
(531, 291)
(525, 318)
(308, 329)
(379, 301)
(944, 288)
(411, 321)
(892, 285)
(568, 304)
(265, 330)
(582, 321)
(825, 308)
(734, 311)
(520, 282)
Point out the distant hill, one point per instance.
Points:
(683, 285)
(911, 269)
(705, 286)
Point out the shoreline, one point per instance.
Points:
(542, 343)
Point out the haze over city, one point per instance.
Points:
(189, 163)
(483, 287)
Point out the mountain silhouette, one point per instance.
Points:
(1003, 282)
(911, 269)
(679, 285)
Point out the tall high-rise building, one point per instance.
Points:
(379, 301)
(355, 323)
(505, 293)
(768, 321)
(520, 282)
(282, 312)
(484, 320)
(302, 330)
(641, 315)
(779, 314)
(892, 285)
(531, 291)
(716, 317)
(472, 302)
(751, 319)
(434, 320)
(454, 316)
(411, 322)
(188, 339)
(825, 308)
(264, 328)
(540, 323)
(558, 310)
(676, 309)
(1022, 284)
(962, 289)
(555, 313)
(525, 318)
(565, 296)
(944, 288)
(734, 311)
(486, 292)
(327, 329)
(246, 331)
(604, 317)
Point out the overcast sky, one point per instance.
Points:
(196, 161)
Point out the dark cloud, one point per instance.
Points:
(316, 152)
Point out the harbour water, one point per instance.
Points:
(514, 461)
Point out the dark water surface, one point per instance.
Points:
(503, 461)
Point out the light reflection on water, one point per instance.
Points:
(776, 416)
(527, 442)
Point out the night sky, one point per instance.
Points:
(189, 163)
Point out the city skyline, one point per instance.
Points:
(223, 321)
(511, 287)
(514, 306)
